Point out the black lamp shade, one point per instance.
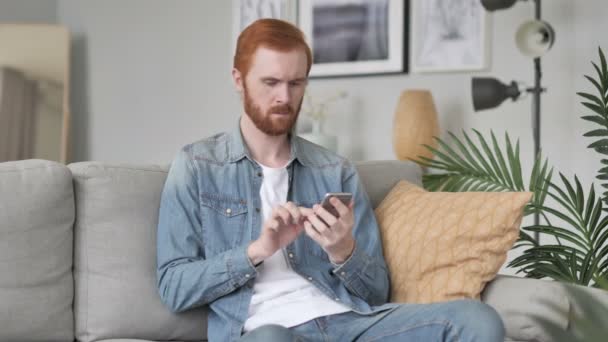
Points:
(489, 92)
(493, 5)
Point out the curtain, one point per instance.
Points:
(17, 111)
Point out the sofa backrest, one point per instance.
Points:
(36, 239)
(115, 249)
(115, 257)
(78, 250)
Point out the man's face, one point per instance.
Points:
(273, 89)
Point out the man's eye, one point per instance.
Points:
(270, 82)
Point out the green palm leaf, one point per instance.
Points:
(581, 259)
(491, 168)
(580, 254)
(599, 106)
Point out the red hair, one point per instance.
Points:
(273, 34)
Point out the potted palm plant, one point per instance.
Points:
(574, 222)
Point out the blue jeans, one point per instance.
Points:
(461, 320)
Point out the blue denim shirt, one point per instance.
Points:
(210, 212)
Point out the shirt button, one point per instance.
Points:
(228, 211)
(257, 209)
(337, 299)
(343, 273)
(291, 255)
(310, 278)
(247, 275)
(259, 174)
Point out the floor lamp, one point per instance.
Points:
(533, 38)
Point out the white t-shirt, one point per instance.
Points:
(280, 295)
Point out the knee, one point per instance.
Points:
(270, 333)
(479, 320)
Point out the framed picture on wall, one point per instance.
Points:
(246, 12)
(449, 36)
(351, 38)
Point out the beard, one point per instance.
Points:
(273, 125)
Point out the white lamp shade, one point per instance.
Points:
(534, 38)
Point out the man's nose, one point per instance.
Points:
(283, 95)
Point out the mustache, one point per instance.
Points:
(281, 109)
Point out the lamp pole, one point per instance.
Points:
(529, 47)
(536, 91)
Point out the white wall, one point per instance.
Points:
(149, 76)
(35, 11)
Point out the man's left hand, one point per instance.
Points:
(333, 234)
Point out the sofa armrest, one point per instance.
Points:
(519, 300)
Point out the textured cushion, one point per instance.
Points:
(36, 282)
(115, 257)
(442, 246)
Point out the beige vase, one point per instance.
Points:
(415, 124)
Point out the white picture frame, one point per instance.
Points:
(390, 26)
(245, 12)
(449, 36)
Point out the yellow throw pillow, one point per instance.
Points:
(442, 246)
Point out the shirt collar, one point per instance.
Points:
(237, 149)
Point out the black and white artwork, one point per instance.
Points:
(348, 32)
(449, 35)
(252, 10)
(246, 12)
(354, 37)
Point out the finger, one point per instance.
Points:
(293, 211)
(319, 225)
(272, 224)
(312, 232)
(340, 207)
(280, 212)
(306, 211)
(325, 215)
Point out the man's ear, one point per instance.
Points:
(237, 78)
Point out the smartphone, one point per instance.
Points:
(344, 197)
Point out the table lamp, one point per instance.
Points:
(415, 124)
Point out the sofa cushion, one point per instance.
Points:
(115, 257)
(519, 301)
(444, 245)
(36, 282)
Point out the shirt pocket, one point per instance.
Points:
(224, 220)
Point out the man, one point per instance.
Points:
(240, 228)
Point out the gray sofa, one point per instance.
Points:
(77, 257)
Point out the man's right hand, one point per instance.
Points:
(282, 227)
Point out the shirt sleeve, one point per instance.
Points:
(364, 273)
(185, 278)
